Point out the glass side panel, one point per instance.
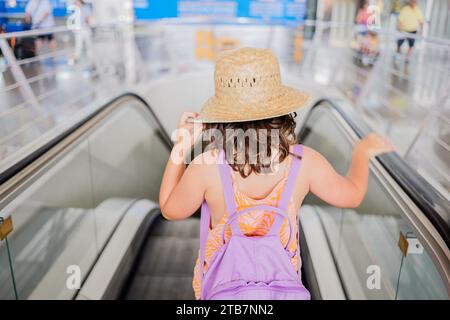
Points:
(54, 228)
(66, 213)
(6, 281)
(419, 278)
(364, 240)
(127, 161)
(337, 152)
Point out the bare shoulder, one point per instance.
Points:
(205, 164)
(310, 155)
(312, 159)
(206, 159)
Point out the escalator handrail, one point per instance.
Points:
(36, 154)
(434, 206)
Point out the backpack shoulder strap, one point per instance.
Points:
(287, 193)
(291, 179)
(205, 218)
(227, 184)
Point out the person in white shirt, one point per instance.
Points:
(40, 14)
(83, 32)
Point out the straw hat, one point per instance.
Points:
(248, 87)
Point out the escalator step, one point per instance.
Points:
(166, 263)
(161, 288)
(168, 256)
(181, 229)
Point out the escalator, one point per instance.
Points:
(395, 245)
(86, 223)
(164, 269)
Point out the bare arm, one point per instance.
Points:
(399, 22)
(182, 190)
(88, 21)
(348, 191)
(357, 19)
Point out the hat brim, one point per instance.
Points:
(287, 100)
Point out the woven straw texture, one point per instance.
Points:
(248, 87)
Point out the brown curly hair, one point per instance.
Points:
(253, 145)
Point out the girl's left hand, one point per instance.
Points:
(373, 145)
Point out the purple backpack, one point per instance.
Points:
(251, 268)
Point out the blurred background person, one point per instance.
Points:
(362, 17)
(409, 21)
(39, 13)
(83, 33)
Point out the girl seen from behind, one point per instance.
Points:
(251, 179)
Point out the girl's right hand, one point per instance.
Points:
(187, 131)
(373, 145)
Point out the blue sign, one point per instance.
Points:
(155, 9)
(59, 8)
(18, 6)
(273, 11)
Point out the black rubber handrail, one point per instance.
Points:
(29, 159)
(433, 204)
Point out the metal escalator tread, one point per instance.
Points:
(165, 267)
